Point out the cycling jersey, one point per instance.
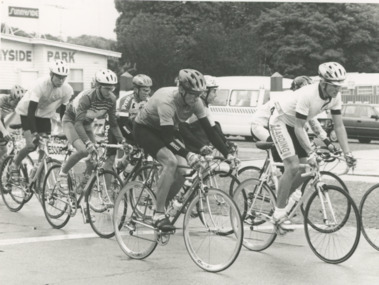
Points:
(305, 104)
(167, 108)
(7, 105)
(129, 107)
(48, 97)
(87, 106)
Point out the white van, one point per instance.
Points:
(237, 99)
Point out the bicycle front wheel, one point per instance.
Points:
(204, 238)
(256, 202)
(133, 234)
(55, 203)
(332, 224)
(100, 202)
(370, 216)
(14, 195)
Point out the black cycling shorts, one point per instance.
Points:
(43, 125)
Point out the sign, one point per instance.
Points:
(16, 55)
(23, 12)
(67, 56)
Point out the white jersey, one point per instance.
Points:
(48, 97)
(307, 103)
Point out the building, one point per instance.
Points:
(23, 60)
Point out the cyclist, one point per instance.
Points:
(8, 104)
(194, 136)
(155, 130)
(130, 105)
(37, 106)
(88, 105)
(287, 128)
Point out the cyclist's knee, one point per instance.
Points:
(291, 166)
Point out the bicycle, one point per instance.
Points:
(331, 217)
(369, 214)
(95, 200)
(17, 194)
(209, 213)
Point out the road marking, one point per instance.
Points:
(46, 238)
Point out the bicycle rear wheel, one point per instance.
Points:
(370, 216)
(133, 234)
(336, 235)
(206, 244)
(256, 204)
(55, 203)
(14, 195)
(100, 202)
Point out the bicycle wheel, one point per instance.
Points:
(245, 173)
(256, 204)
(55, 203)
(209, 249)
(221, 180)
(336, 236)
(14, 195)
(326, 177)
(104, 189)
(133, 234)
(370, 216)
(149, 174)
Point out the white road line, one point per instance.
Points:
(46, 238)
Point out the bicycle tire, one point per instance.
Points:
(256, 205)
(245, 173)
(370, 221)
(228, 218)
(135, 239)
(339, 183)
(14, 196)
(338, 232)
(56, 205)
(100, 211)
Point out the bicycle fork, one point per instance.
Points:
(325, 200)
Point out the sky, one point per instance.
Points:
(65, 18)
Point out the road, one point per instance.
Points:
(31, 252)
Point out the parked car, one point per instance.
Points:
(361, 121)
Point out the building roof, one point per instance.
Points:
(40, 41)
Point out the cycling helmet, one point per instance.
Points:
(142, 80)
(332, 72)
(210, 81)
(17, 92)
(106, 77)
(300, 81)
(192, 80)
(59, 67)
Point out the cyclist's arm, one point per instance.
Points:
(219, 132)
(301, 133)
(114, 125)
(32, 116)
(62, 110)
(126, 127)
(81, 114)
(187, 134)
(340, 130)
(318, 130)
(213, 136)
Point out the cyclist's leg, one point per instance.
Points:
(111, 156)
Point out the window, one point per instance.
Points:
(365, 90)
(351, 111)
(221, 98)
(365, 112)
(244, 98)
(75, 79)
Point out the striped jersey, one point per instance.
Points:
(7, 105)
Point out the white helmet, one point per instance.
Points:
(59, 67)
(17, 92)
(142, 80)
(210, 81)
(106, 76)
(332, 72)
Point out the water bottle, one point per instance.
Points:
(292, 201)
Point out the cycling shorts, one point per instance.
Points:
(72, 135)
(285, 139)
(150, 139)
(43, 125)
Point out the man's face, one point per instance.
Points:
(191, 98)
(106, 91)
(332, 90)
(212, 95)
(143, 93)
(58, 80)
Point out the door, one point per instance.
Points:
(350, 117)
(367, 127)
